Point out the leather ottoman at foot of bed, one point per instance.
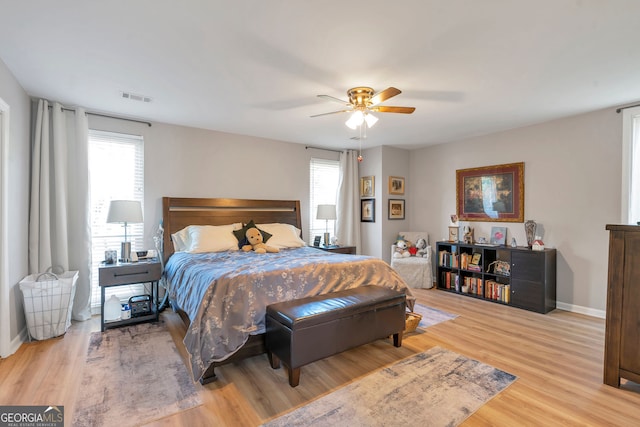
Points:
(305, 330)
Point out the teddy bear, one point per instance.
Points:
(402, 249)
(254, 237)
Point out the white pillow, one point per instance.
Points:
(206, 238)
(283, 235)
(212, 238)
(180, 240)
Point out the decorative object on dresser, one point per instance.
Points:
(621, 345)
(518, 277)
(491, 193)
(467, 236)
(125, 212)
(453, 233)
(498, 235)
(326, 212)
(530, 231)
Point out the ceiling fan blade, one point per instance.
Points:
(389, 92)
(334, 99)
(403, 110)
(333, 112)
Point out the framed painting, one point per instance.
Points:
(491, 193)
(367, 188)
(396, 209)
(368, 210)
(396, 185)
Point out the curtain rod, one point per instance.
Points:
(628, 106)
(320, 148)
(106, 115)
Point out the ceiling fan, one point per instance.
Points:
(362, 102)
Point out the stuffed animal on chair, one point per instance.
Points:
(254, 237)
(402, 249)
(421, 244)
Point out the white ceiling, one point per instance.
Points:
(255, 67)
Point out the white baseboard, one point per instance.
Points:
(22, 337)
(581, 310)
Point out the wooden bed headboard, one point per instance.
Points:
(180, 212)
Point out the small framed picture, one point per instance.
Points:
(396, 209)
(368, 210)
(498, 235)
(316, 241)
(367, 188)
(396, 185)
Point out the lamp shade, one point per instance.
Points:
(326, 212)
(127, 211)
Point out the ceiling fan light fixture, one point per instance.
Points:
(355, 120)
(370, 119)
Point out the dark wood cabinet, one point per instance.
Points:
(350, 250)
(528, 283)
(622, 336)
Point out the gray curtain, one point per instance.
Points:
(59, 229)
(348, 206)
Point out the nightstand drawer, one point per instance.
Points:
(122, 274)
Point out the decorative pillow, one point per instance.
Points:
(241, 234)
(212, 238)
(283, 235)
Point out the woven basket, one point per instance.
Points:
(411, 321)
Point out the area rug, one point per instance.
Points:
(133, 375)
(434, 388)
(431, 316)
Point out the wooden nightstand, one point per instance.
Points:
(127, 274)
(350, 250)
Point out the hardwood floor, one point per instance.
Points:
(557, 357)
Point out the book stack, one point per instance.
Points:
(498, 291)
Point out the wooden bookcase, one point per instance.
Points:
(530, 283)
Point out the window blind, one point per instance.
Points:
(116, 165)
(324, 177)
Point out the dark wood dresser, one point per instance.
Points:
(622, 336)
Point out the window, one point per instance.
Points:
(631, 166)
(324, 178)
(116, 170)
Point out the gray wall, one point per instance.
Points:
(19, 148)
(572, 188)
(189, 162)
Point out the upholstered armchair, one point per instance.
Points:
(416, 271)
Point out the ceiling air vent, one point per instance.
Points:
(135, 97)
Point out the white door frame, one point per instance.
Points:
(5, 318)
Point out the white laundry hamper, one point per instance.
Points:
(48, 301)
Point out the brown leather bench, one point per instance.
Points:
(309, 329)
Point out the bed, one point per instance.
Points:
(222, 293)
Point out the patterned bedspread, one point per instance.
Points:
(225, 294)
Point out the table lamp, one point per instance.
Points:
(125, 211)
(326, 212)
